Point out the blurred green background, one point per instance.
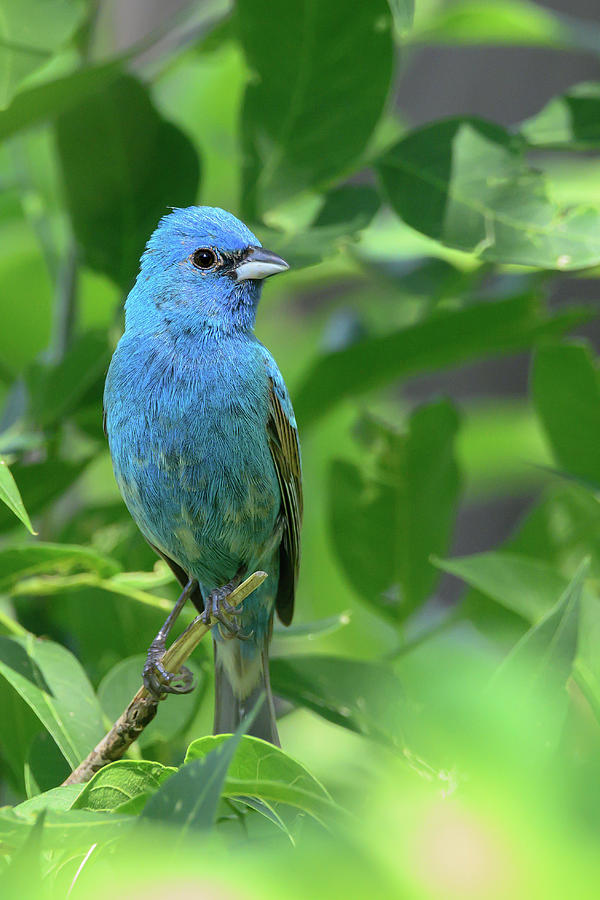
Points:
(431, 173)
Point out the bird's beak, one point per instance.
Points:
(258, 264)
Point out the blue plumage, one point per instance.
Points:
(202, 434)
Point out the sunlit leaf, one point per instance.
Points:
(52, 683)
(516, 22)
(464, 182)
(190, 798)
(571, 120)
(21, 561)
(528, 587)
(120, 782)
(25, 46)
(542, 661)
(258, 769)
(9, 494)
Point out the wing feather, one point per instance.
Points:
(285, 450)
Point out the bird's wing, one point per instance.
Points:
(285, 450)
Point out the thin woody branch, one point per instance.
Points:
(142, 708)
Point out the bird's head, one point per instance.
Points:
(202, 269)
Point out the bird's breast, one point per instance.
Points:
(190, 452)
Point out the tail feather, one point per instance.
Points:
(231, 707)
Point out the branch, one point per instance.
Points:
(142, 708)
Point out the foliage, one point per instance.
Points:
(428, 750)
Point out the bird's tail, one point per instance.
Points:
(241, 676)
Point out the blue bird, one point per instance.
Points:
(205, 448)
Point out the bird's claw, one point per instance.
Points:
(217, 608)
(158, 681)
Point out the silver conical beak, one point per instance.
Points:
(258, 264)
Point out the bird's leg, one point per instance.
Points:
(155, 677)
(217, 608)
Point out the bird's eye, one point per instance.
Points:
(204, 258)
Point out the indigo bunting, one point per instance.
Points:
(205, 448)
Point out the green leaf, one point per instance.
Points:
(514, 22)
(528, 587)
(121, 782)
(542, 661)
(26, 44)
(258, 769)
(19, 562)
(71, 830)
(447, 338)
(113, 149)
(26, 863)
(464, 182)
(120, 684)
(190, 798)
(60, 798)
(40, 484)
(9, 494)
(52, 683)
(566, 392)
(365, 697)
(386, 524)
(571, 120)
(304, 94)
(45, 101)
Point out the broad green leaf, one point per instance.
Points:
(447, 338)
(190, 798)
(464, 182)
(120, 782)
(516, 22)
(113, 149)
(45, 101)
(52, 683)
(528, 587)
(542, 661)
(63, 829)
(571, 120)
(304, 94)
(387, 520)
(26, 44)
(60, 798)
(365, 697)
(566, 392)
(9, 494)
(258, 769)
(120, 684)
(19, 562)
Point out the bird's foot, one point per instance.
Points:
(158, 681)
(218, 609)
